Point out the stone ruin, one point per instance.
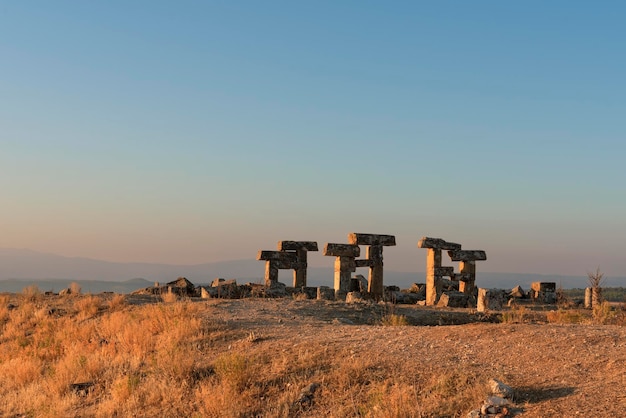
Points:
(435, 272)
(443, 287)
(290, 255)
(346, 262)
(496, 299)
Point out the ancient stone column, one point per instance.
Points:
(344, 263)
(300, 266)
(434, 271)
(374, 258)
(467, 267)
(588, 298)
(275, 260)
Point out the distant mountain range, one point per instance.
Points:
(19, 267)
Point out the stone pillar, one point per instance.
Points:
(434, 270)
(300, 266)
(374, 258)
(467, 267)
(275, 260)
(588, 298)
(344, 263)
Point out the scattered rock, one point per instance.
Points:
(517, 292)
(325, 293)
(453, 299)
(82, 389)
(354, 297)
(305, 399)
(500, 389)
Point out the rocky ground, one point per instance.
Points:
(556, 370)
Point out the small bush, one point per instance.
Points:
(118, 301)
(169, 297)
(562, 316)
(32, 292)
(517, 314)
(603, 313)
(233, 369)
(394, 320)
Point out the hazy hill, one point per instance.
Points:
(53, 272)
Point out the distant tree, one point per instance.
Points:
(596, 280)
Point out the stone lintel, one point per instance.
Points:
(371, 239)
(277, 256)
(342, 250)
(437, 244)
(366, 263)
(463, 277)
(283, 264)
(444, 271)
(297, 245)
(467, 255)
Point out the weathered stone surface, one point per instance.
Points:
(453, 300)
(297, 245)
(341, 250)
(406, 298)
(588, 298)
(444, 271)
(543, 286)
(501, 389)
(518, 292)
(365, 263)
(325, 293)
(438, 244)
(276, 256)
(216, 282)
(204, 293)
(490, 299)
(371, 239)
(182, 286)
(276, 289)
(361, 283)
(354, 297)
(467, 255)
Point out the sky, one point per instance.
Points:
(198, 131)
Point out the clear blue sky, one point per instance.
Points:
(188, 132)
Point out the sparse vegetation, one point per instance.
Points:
(517, 314)
(103, 355)
(595, 283)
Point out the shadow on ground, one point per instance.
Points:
(535, 395)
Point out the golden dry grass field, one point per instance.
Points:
(128, 356)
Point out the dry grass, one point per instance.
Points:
(93, 357)
(169, 297)
(102, 356)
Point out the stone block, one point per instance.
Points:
(453, 300)
(543, 286)
(371, 239)
(467, 255)
(297, 245)
(490, 299)
(517, 292)
(438, 244)
(365, 263)
(342, 250)
(360, 283)
(444, 271)
(325, 293)
(354, 297)
(277, 256)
